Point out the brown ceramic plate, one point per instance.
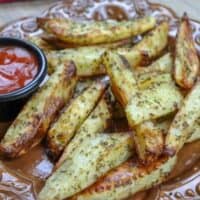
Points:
(22, 178)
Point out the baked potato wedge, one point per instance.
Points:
(87, 60)
(62, 131)
(122, 80)
(156, 97)
(90, 32)
(128, 179)
(184, 121)
(186, 64)
(195, 133)
(93, 158)
(150, 47)
(163, 64)
(64, 45)
(149, 141)
(96, 122)
(30, 126)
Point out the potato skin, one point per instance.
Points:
(186, 63)
(30, 126)
(89, 33)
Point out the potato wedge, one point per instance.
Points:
(89, 161)
(184, 121)
(122, 80)
(155, 98)
(128, 179)
(30, 126)
(150, 47)
(96, 122)
(64, 45)
(89, 32)
(87, 60)
(195, 133)
(162, 65)
(149, 141)
(62, 131)
(186, 65)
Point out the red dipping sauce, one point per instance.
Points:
(18, 67)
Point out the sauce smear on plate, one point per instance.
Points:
(18, 67)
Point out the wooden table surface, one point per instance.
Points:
(13, 11)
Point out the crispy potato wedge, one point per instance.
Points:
(87, 60)
(89, 32)
(64, 45)
(150, 47)
(195, 133)
(184, 121)
(162, 65)
(149, 141)
(155, 98)
(62, 131)
(89, 161)
(186, 64)
(96, 122)
(30, 126)
(128, 179)
(122, 80)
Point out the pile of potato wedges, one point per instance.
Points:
(98, 78)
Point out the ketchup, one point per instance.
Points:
(18, 67)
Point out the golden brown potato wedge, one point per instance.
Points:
(89, 32)
(87, 60)
(156, 97)
(195, 133)
(30, 126)
(149, 141)
(62, 131)
(162, 65)
(184, 121)
(128, 179)
(186, 64)
(92, 159)
(63, 45)
(122, 80)
(96, 122)
(150, 47)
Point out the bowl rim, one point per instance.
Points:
(37, 80)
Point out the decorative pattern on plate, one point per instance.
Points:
(189, 188)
